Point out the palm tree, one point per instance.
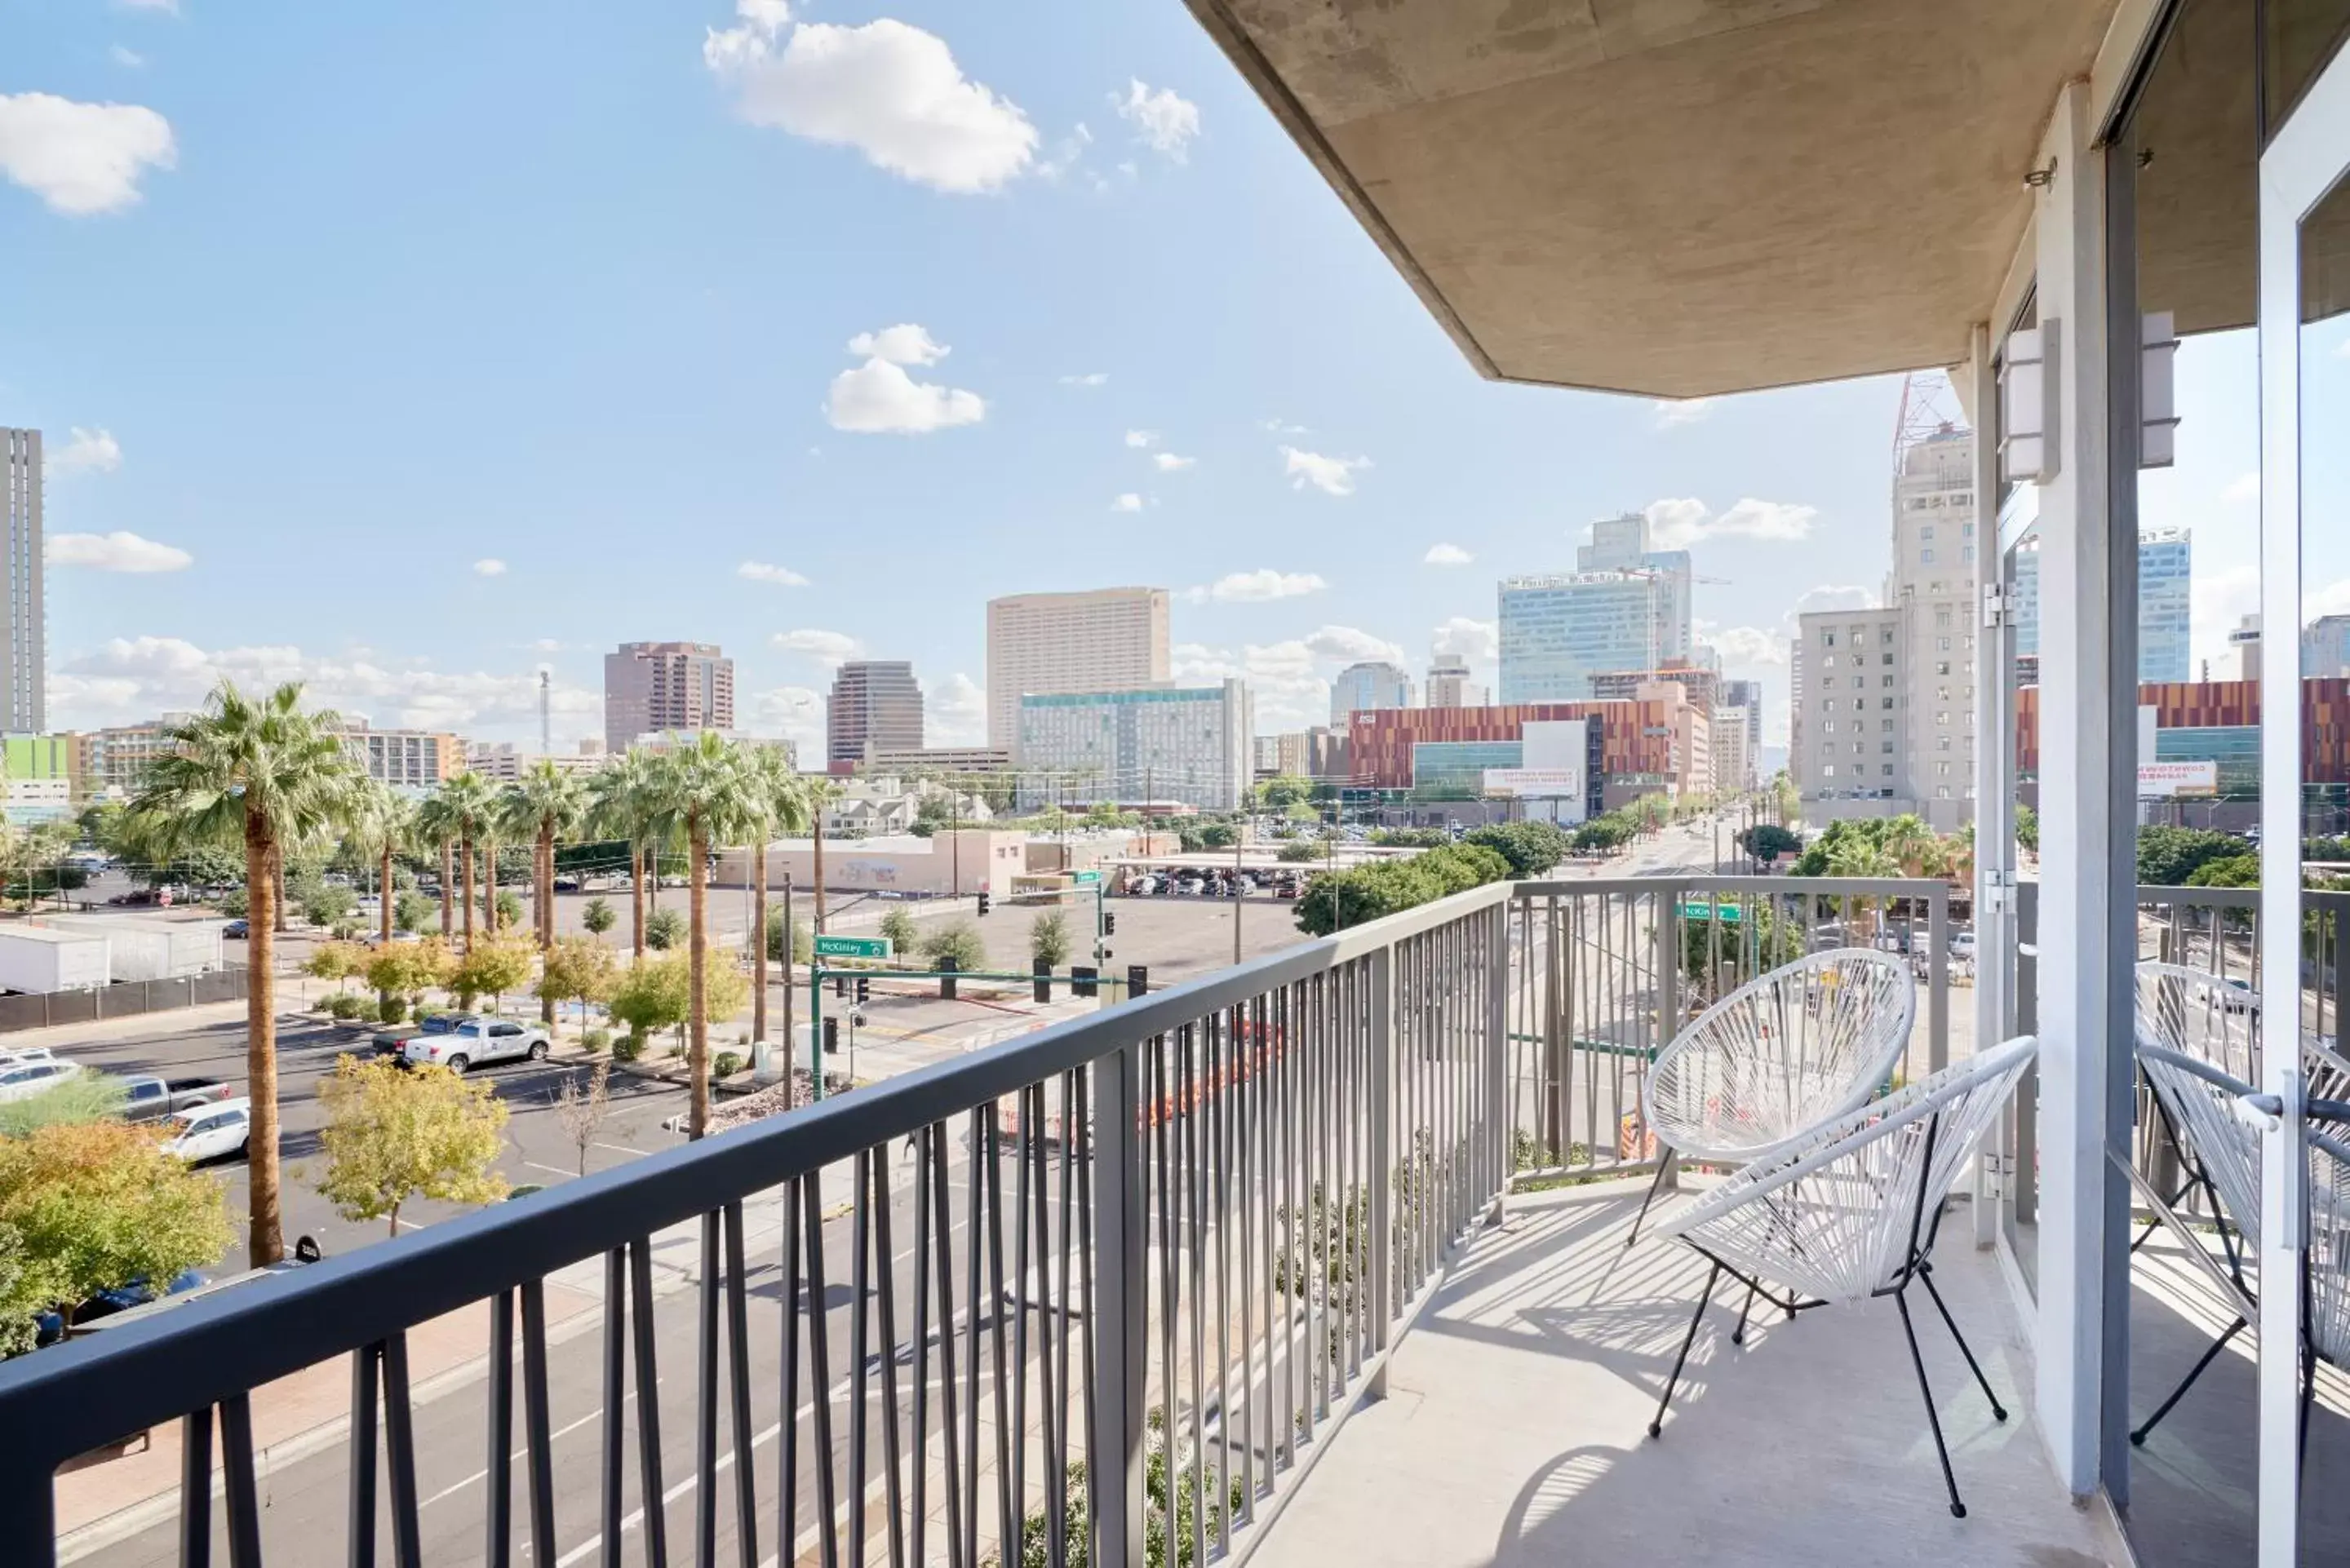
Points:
(469, 806)
(782, 802)
(620, 803)
(261, 773)
(1860, 856)
(1909, 841)
(821, 794)
(437, 827)
(546, 803)
(381, 823)
(706, 792)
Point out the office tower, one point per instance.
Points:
(875, 706)
(1933, 588)
(1852, 720)
(1557, 631)
(1449, 685)
(653, 687)
(1748, 695)
(26, 696)
(1104, 639)
(2326, 648)
(1364, 687)
(1622, 543)
(2244, 650)
(2165, 608)
(1191, 744)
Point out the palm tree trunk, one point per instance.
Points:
(791, 935)
(383, 892)
(448, 887)
(277, 882)
(490, 888)
(819, 915)
(264, 1242)
(465, 858)
(697, 1005)
(759, 941)
(546, 912)
(635, 902)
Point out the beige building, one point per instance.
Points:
(945, 864)
(404, 759)
(1104, 639)
(1449, 686)
(1852, 724)
(505, 762)
(1727, 735)
(652, 688)
(1933, 583)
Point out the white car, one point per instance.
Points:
(208, 1132)
(476, 1042)
(26, 1079)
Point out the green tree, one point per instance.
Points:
(2027, 828)
(1767, 841)
(622, 805)
(657, 994)
(396, 1134)
(469, 807)
(803, 939)
(1336, 900)
(662, 929)
(437, 828)
(409, 970)
(1048, 938)
(2169, 856)
(20, 1297)
(1530, 848)
(576, 968)
(545, 804)
(99, 1205)
(509, 908)
(905, 936)
(328, 904)
(265, 775)
(598, 917)
(492, 968)
(336, 961)
(957, 940)
(380, 824)
(1284, 791)
(780, 805)
(707, 795)
(410, 910)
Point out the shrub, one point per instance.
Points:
(803, 939)
(413, 911)
(344, 1004)
(1530, 848)
(1048, 938)
(957, 940)
(1301, 851)
(663, 928)
(1338, 900)
(627, 1048)
(597, 1039)
(509, 908)
(905, 936)
(328, 903)
(2169, 856)
(391, 1009)
(725, 1065)
(598, 917)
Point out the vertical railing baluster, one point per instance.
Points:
(1195, 1239)
(242, 1499)
(1089, 1401)
(1008, 1502)
(797, 1310)
(860, 1348)
(1163, 1174)
(1023, 1144)
(541, 1473)
(1221, 1076)
(935, 1142)
(497, 1511)
(196, 1486)
(1115, 1460)
(919, 1480)
(886, 1309)
(400, 1455)
(827, 1502)
(615, 1373)
(649, 1442)
(1060, 1301)
(705, 1399)
(982, 1129)
(365, 1377)
(738, 1342)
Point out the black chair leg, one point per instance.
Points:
(1664, 1166)
(1926, 1277)
(1941, 1450)
(2137, 1439)
(1657, 1427)
(1738, 1335)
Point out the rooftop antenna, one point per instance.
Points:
(545, 712)
(1929, 406)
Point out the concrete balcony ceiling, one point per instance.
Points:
(1678, 198)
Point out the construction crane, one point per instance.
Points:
(1650, 573)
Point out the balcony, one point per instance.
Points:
(1322, 1255)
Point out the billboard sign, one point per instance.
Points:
(2177, 781)
(1534, 783)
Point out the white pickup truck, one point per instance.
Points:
(474, 1041)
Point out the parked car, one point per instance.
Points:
(151, 1100)
(18, 1055)
(2235, 996)
(478, 1041)
(210, 1131)
(30, 1078)
(237, 929)
(394, 1041)
(51, 1326)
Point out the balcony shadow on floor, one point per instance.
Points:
(1521, 1400)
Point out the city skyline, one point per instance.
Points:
(853, 447)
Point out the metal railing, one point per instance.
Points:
(1148, 1258)
(1606, 971)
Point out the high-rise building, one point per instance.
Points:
(1623, 544)
(1362, 687)
(875, 706)
(1559, 631)
(24, 701)
(654, 688)
(1933, 592)
(1748, 695)
(1104, 640)
(2326, 647)
(2244, 650)
(404, 759)
(1854, 723)
(1191, 744)
(1449, 685)
(2164, 605)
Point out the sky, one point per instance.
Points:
(410, 349)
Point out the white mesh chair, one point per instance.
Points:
(2326, 1262)
(1849, 1212)
(1776, 1057)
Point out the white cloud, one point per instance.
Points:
(795, 713)
(169, 6)
(764, 572)
(1331, 475)
(891, 92)
(1832, 597)
(1478, 642)
(116, 552)
(1164, 119)
(880, 398)
(1167, 462)
(2241, 489)
(1347, 645)
(546, 645)
(137, 678)
(1746, 645)
(1672, 413)
(908, 343)
(489, 567)
(129, 59)
(1288, 680)
(1140, 438)
(1129, 501)
(1090, 379)
(955, 711)
(1278, 426)
(1446, 556)
(826, 648)
(81, 158)
(1258, 587)
(2216, 602)
(86, 452)
(1675, 525)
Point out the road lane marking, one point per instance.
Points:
(522, 1453)
(555, 1168)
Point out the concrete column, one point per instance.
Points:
(2077, 822)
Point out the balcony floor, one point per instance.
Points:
(1514, 1430)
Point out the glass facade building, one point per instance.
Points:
(1186, 743)
(1558, 631)
(2165, 578)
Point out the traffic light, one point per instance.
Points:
(983, 901)
(864, 990)
(1109, 924)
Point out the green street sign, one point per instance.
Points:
(1727, 914)
(1086, 878)
(852, 947)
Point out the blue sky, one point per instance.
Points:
(447, 341)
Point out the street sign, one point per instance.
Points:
(852, 947)
(1728, 914)
(1084, 878)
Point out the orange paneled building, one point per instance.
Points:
(1637, 737)
(2221, 704)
